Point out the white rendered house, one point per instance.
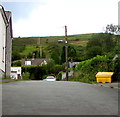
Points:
(5, 42)
(16, 73)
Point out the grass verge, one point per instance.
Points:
(11, 81)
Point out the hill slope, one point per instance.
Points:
(26, 46)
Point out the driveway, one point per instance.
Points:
(58, 98)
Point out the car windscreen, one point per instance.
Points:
(50, 77)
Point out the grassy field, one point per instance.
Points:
(26, 45)
(74, 39)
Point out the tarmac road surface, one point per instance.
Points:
(58, 98)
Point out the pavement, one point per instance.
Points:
(4, 80)
(110, 85)
(58, 98)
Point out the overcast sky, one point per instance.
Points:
(48, 17)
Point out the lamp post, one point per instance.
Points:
(66, 52)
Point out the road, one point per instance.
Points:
(58, 98)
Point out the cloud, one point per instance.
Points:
(80, 17)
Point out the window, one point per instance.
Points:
(27, 62)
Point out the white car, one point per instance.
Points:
(50, 78)
(13, 77)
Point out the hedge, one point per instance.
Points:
(40, 72)
(87, 70)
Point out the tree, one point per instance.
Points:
(99, 44)
(55, 51)
(55, 56)
(108, 43)
(112, 29)
(115, 29)
(36, 54)
(94, 51)
(63, 55)
(16, 56)
(49, 67)
(71, 53)
(16, 63)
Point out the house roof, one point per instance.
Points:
(34, 62)
(8, 15)
(7, 18)
(3, 15)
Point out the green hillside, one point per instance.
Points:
(34, 40)
(26, 46)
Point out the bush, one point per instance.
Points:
(45, 76)
(40, 72)
(36, 72)
(87, 70)
(16, 63)
(59, 76)
(117, 69)
(26, 76)
(59, 68)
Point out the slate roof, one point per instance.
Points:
(7, 18)
(35, 61)
(3, 15)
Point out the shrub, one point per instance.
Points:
(36, 72)
(16, 63)
(89, 68)
(59, 76)
(117, 69)
(40, 72)
(26, 76)
(59, 68)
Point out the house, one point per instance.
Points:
(5, 42)
(16, 73)
(34, 62)
(73, 64)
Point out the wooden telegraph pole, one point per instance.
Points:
(40, 46)
(66, 52)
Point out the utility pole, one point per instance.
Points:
(40, 45)
(66, 52)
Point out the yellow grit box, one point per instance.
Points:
(104, 77)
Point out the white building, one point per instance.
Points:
(73, 64)
(16, 73)
(5, 42)
(119, 13)
(3, 25)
